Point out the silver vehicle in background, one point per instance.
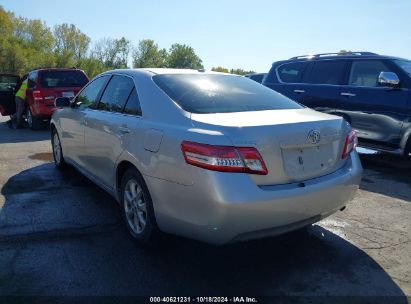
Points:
(209, 156)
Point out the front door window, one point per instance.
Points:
(364, 73)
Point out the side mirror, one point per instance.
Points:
(388, 79)
(62, 102)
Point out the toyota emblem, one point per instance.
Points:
(314, 137)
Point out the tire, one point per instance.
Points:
(33, 122)
(137, 209)
(57, 151)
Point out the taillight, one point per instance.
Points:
(224, 158)
(37, 96)
(351, 142)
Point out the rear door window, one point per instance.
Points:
(291, 72)
(116, 94)
(329, 72)
(364, 73)
(133, 104)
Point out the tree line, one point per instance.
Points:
(26, 44)
(231, 71)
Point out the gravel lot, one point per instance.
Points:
(61, 235)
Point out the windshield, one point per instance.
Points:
(63, 79)
(405, 65)
(217, 93)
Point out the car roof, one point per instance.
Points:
(161, 71)
(172, 71)
(55, 69)
(330, 56)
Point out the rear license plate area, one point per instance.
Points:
(308, 161)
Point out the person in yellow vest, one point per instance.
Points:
(20, 104)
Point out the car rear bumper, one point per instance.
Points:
(43, 110)
(222, 207)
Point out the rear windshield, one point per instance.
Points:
(8, 83)
(63, 79)
(405, 65)
(216, 93)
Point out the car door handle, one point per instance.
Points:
(84, 122)
(299, 91)
(347, 94)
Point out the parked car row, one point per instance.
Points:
(220, 158)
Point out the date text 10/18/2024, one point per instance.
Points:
(203, 300)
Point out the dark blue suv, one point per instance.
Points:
(372, 92)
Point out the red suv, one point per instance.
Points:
(44, 86)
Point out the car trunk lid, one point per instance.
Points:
(295, 145)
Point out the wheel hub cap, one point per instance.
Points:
(135, 206)
(29, 118)
(56, 148)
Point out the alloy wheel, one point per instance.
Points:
(29, 118)
(56, 148)
(135, 206)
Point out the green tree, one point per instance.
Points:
(148, 55)
(113, 53)
(27, 43)
(24, 43)
(231, 71)
(241, 72)
(344, 52)
(220, 69)
(123, 47)
(91, 66)
(71, 45)
(6, 29)
(33, 34)
(6, 25)
(104, 51)
(183, 56)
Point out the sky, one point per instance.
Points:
(236, 33)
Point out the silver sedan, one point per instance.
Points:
(209, 156)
